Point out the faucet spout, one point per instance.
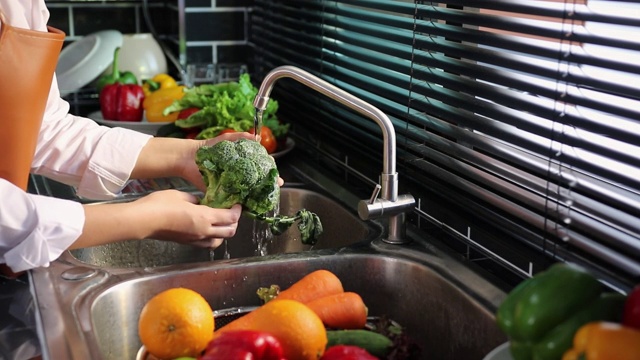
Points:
(341, 96)
(389, 176)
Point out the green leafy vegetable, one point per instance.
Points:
(242, 172)
(225, 105)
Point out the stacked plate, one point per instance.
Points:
(500, 353)
(85, 59)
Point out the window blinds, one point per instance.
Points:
(519, 120)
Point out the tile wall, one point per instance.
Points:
(195, 31)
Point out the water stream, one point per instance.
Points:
(261, 237)
(257, 122)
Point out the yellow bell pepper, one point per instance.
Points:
(602, 340)
(154, 112)
(160, 81)
(162, 95)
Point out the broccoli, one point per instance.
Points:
(242, 172)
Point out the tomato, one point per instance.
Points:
(267, 139)
(185, 113)
(631, 315)
(191, 133)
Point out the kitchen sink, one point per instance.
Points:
(252, 238)
(446, 308)
(88, 301)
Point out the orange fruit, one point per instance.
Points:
(297, 327)
(175, 323)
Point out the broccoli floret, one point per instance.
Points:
(242, 172)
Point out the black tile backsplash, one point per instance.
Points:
(231, 54)
(215, 30)
(197, 3)
(200, 54)
(92, 19)
(234, 3)
(213, 33)
(59, 19)
(215, 26)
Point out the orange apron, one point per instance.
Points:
(28, 60)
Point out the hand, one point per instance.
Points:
(177, 216)
(164, 215)
(191, 172)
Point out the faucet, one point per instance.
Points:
(389, 204)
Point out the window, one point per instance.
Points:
(518, 122)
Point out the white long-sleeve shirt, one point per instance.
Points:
(34, 229)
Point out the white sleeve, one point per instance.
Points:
(35, 230)
(77, 151)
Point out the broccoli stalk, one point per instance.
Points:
(308, 223)
(242, 172)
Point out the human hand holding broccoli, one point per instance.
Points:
(242, 172)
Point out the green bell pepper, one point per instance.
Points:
(116, 76)
(541, 315)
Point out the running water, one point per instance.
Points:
(261, 238)
(257, 122)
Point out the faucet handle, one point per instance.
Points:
(376, 208)
(376, 192)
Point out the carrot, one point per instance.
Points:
(341, 311)
(317, 284)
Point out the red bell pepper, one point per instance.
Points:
(122, 102)
(243, 345)
(631, 316)
(347, 352)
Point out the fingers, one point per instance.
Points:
(231, 137)
(178, 217)
(223, 223)
(208, 243)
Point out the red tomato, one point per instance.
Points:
(267, 139)
(631, 315)
(191, 133)
(185, 113)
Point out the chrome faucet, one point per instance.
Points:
(389, 204)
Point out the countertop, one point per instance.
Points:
(18, 334)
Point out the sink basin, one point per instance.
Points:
(341, 228)
(445, 307)
(88, 301)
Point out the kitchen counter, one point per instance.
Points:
(18, 334)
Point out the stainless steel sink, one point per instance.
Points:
(88, 301)
(341, 228)
(447, 308)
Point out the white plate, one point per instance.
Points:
(142, 126)
(85, 59)
(501, 352)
